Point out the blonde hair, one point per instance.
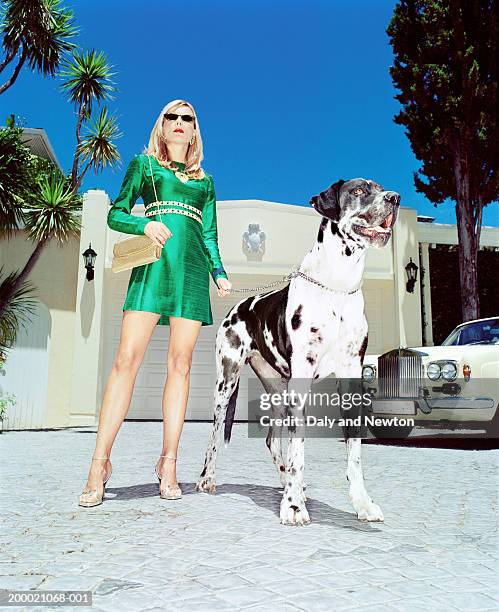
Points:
(157, 144)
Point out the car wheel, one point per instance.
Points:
(384, 432)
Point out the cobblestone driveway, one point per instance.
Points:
(436, 550)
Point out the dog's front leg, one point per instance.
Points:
(293, 510)
(363, 505)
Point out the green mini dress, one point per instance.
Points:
(178, 283)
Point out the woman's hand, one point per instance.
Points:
(158, 232)
(223, 286)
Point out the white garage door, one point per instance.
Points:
(373, 302)
(28, 360)
(148, 392)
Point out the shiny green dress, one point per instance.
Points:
(178, 283)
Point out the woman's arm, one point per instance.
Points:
(210, 233)
(119, 217)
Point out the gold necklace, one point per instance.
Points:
(182, 176)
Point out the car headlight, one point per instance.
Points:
(433, 371)
(368, 373)
(449, 370)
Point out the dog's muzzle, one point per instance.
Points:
(380, 220)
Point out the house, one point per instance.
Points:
(60, 364)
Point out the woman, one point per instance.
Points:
(171, 291)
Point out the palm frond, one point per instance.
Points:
(41, 27)
(52, 209)
(21, 306)
(97, 144)
(15, 179)
(88, 79)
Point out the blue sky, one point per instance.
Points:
(291, 95)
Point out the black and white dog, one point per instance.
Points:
(307, 332)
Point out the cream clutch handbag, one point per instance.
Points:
(136, 251)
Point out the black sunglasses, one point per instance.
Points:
(174, 116)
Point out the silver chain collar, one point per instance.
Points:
(295, 271)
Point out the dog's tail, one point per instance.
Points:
(229, 415)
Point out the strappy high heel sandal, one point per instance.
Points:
(170, 491)
(91, 497)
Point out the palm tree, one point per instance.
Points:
(54, 198)
(88, 81)
(16, 171)
(46, 203)
(37, 31)
(97, 145)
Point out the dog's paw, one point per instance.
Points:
(294, 514)
(206, 485)
(369, 512)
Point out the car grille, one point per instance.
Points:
(400, 373)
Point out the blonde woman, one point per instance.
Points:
(172, 291)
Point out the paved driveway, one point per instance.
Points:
(436, 550)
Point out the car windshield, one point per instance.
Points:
(481, 332)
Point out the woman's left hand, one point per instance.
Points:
(223, 286)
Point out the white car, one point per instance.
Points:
(450, 384)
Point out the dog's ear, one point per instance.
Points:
(327, 203)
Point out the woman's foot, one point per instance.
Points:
(99, 474)
(165, 471)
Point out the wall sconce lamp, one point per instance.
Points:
(412, 274)
(89, 257)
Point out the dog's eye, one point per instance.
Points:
(378, 187)
(358, 191)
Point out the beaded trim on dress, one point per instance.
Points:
(174, 210)
(167, 202)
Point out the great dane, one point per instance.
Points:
(305, 331)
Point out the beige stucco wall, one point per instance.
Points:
(407, 305)
(385, 316)
(88, 332)
(290, 232)
(54, 279)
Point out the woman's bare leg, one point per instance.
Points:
(136, 331)
(183, 336)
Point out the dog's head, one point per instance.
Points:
(361, 208)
